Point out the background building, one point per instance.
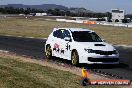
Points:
(41, 14)
(117, 15)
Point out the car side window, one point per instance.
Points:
(55, 33)
(61, 33)
(66, 34)
(58, 34)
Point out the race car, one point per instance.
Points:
(80, 46)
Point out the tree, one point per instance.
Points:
(109, 15)
(68, 13)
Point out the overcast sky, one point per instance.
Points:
(95, 5)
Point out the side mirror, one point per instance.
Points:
(103, 40)
(67, 39)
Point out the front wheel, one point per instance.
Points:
(48, 52)
(75, 58)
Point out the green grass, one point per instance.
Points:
(41, 28)
(15, 73)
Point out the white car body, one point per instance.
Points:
(103, 52)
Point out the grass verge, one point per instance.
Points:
(41, 28)
(15, 73)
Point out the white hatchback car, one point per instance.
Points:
(80, 46)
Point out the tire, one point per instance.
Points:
(75, 58)
(48, 52)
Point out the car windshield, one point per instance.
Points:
(85, 36)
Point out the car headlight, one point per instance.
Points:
(89, 50)
(115, 52)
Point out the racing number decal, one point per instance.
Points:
(68, 47)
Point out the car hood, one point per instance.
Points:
(96, 46)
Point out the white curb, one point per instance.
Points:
(4, 51)
(127, 46)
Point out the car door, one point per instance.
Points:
(65, 46)
(56, 45)
(61, 48)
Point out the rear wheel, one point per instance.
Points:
(48, 52)
(75, 58)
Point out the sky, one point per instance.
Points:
(94, 5)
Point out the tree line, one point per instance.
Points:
(58, 12)
(12, 10)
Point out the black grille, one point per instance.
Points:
(103, 59)
(104, 52)
(99, 44)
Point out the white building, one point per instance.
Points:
(118, 14)
(41, 14)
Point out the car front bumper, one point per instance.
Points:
(99, 59)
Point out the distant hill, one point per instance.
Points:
(42, 7)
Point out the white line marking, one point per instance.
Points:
(19, 36)
(25, 37)
(30, 37)
(127, 46)
(44, 38)
(8, 35)
(4, 51)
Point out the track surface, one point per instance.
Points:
(35, 48)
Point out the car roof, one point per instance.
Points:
(75, 29)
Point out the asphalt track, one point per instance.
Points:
(35, 48)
